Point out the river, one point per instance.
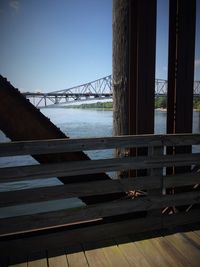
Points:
(74, 123)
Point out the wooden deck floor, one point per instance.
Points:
(180, 249)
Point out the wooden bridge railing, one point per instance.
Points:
(110, 218)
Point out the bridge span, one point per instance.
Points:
(98, 90)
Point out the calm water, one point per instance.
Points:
(74, 123)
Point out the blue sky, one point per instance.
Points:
(49, 45)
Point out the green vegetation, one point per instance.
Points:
(161, 102)
(98, 105)
(196, 103)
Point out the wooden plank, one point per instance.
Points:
(181, 179)
(152, 254)
(19, 265)
(113, 255)
(133, 255)
(187, 249)
(58, 261)
(197, 232)
(192, 238)
(38, 263)
(77, 258)
(21, 245)
(170, 253)
(182, 218)
(77, 190)
(95, 255)
(24, 264)
(95, 166)
(96, 188)
(37, 222)
(69, 145)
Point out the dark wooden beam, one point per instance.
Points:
(134, 47)
(182, 17)
(181, 66)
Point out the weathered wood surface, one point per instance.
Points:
(95, 255)
(73, 145)
(58, 261)
(77, 190)
(95, 166)
(39, 221)
(76, 257)
(133, 254)
(100, 213)
(96, 188)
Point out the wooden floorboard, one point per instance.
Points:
(170, 253)
(151, 254)
(113, 254)
(95, 255)
(133, 255)
(58, 261)
(186, 248)
(76, 257)
(24, 264)
(38, 263)
(197, 232)
(180, 249)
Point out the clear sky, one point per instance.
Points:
(49, 45)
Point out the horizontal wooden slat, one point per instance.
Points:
(95, 166)
(62, 238)
(70, 145)
(181, 218)
(183, 179)
(46, 220)
(77, 190)
(96, 188)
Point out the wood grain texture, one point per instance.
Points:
(76, 259)
(24, 264)
(37, 222)
(38, 263)
(95, 166)
(133, 255)
(95, 255)
(187, 249)
(113, 255)
(96, 188)
(72, 145)
(41, 221)
(58, 261)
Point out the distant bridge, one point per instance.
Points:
(100, 90)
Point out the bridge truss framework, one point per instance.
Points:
(100, 89)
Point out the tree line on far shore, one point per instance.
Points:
(160, 102)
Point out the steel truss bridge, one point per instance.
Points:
(100, 90)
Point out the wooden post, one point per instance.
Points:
(181, 66)
(134, 42)
(181, 71)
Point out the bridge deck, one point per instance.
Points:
(180, 249)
